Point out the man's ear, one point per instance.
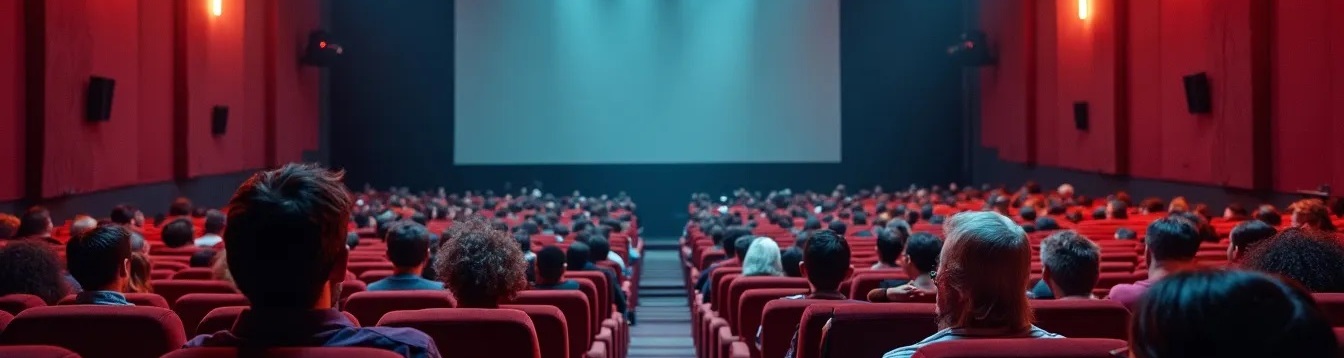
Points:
(338, 267)
(802, 268)
(125, 269)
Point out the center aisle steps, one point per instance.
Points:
(664, 329)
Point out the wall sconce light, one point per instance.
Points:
(1082, 9)
(217, 7)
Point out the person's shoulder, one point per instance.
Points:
(380, 285)
(217, 339)
(429, 284)
(1037, 332)
(903, 352)
(409, 342)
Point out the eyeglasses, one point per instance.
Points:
(1120, 352)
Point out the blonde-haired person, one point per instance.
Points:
(763, 259)
(982, 277)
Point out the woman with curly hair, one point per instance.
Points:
(1311, 214)
(480, 265)
(1313, 258)
(31, 267)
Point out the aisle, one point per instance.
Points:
(664, 329)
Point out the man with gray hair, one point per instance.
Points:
(82, 224)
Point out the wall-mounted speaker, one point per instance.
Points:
(98, 100)
(1197, 97)
(219, 120)
(1080, 116)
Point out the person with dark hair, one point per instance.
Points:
(1028, 214)
(1269, 215)
(1117, 210)
(181, 207)
(1229, 313)
(122, 215)
(1074, 216)
(1311, 214)
(203, 258)
(550, 269)
(790, 258)
(408, 250)
(1070, 264)
(1171, 243)
(36, 225)
(731, 258)
(1152, 205)
(1314, 259)
(9, 225)
(351, 240)
(178, 233)
(285, 251)
(982, 275)
(912, 217)
(919, 261)
(810, 224)
(1235, 212)
(1046, 223)
(1125, 233)
(859, 218)
(101, 261)
(214, 227)
(1246, 236)
(825, 265)
(1206, 231)
(838, 227)
(33, 268)
(889, 247)
(480, 265)
(579, 258)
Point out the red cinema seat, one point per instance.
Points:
(352, 286)
(779, 321)
(221, 319)
(158, 250)
(751, 306)
(195, 273)
(574, 305)
(467, 332)
(36, 352)
(740, 286)
(5, 317)
(552, 329)
(18, 302)
(193, 307)
(810, 326)
(1022, 348)
(99, 331)
(362, 256)
(171, 290)
(370, 306)
(295, 352)
(860, 284)
(170, 265)
(1083, 318)
(599, 281)
(860, 330)
(1332, 305)
(161, 274)
(372, 276)
(359, 267)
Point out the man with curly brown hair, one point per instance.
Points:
(480, 265)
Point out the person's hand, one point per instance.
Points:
(904, 293)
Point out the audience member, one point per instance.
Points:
(214, 227)
(578, 258)
(140, 280)
(919, 261)
(202, 258)
(1228, 313)
(1177, 205)
(82, 224)
(482, 266)
(1314, 259)
(32, 268)
(1152, 206)
(1171, 243)
(178, 233)
(889, 247)
(1117, 210)
(550, 270)
(1245, 236)
(981, 280)
(1125, 233)
(762, 258)
(124, 215)
(180, 208)
(100, 260)
(9, 225)
(1311, 214)
(1269, 215)
(1235, 212)
(1046, 223)
(36, 225)
(285, 250)
(408, 250)
(1070, 264)
(600, 249)
(838, 227)
(731, 257)
(790, 259)
(825, 265)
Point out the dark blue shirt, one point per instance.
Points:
(404, 282)
(316, 328)
(106, 298)
(562, 285)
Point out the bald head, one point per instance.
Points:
(82, 224)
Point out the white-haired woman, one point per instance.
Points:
(763, 259)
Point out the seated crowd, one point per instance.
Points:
(987, 267)
(280, 263)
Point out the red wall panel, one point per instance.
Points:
(1047, 83)
(215, 73)
(296, 86)
(12, 100)
(156, 91)
(1308, 89)
(1086, 72)
(1006, 86)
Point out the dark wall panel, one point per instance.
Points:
(392, 112)
(12, 113)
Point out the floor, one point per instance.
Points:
(664, 321)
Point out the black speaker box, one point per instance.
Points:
(98, 103)
(1197, 97)
(219, 120)
(1080, 120)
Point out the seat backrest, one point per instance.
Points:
(163, 250)
(193, 307)
(574, 305)
(464, 330)
(860, 330)
(1015, 348)
(1083, 318)
(17, 302)
(719, 302)
(195, 273)
(171, 290)
(779, 320)
(860, 284)
(717, 275)
(370, 306)
(751, 306)
(810, 326)
(599, 280)
(352, 286)
(99, 331)
(372, 276)
(1332, 305)
(741, 285)
(292, 352)
(161, 274)
(171, 265)
(219, 319)
(31, 351)
(359, 267)
(552, 329)
(5, 317)
(594, 305)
